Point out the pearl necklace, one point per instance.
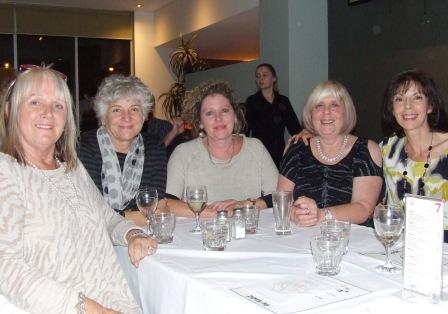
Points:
(421, 181)
(338, 155)
(76, 204)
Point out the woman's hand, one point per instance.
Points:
(140, 246)
(93, 307)
(136, 217)
(305, 212)
(228, 205)
(212, 208)
(178, 126)
(304, 136)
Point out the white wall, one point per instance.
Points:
(186, 16)
(149, 65)
(240, 75)
(274, 40)
(308, 48)
(181, 16)
(294, 39)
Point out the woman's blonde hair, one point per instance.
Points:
(193, 103)
(11, 102)
(332, 89)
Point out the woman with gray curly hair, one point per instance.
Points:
(118, 156)
(236, 170)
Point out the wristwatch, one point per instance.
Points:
(328, 214)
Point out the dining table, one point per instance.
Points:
(267, 273)
(270, 273)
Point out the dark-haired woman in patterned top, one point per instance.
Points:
(415, 155)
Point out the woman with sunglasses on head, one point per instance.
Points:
(415, 156)
(56, 230)
(338, 175)
(268, 113)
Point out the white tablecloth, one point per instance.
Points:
(183, 278)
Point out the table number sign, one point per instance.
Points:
(422, 263)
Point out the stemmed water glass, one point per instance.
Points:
(147, 199)
(196, 198)
(389, 224)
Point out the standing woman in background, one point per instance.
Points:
(268, 113)
(415, 156)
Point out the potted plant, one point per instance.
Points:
(184, 59)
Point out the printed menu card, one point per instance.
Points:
(292, 295)
(422, 264)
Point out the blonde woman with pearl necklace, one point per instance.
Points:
(338, 175)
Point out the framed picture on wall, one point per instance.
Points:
(355, 2)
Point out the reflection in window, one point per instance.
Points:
(6, 59)
(56, 50)
(98, 58)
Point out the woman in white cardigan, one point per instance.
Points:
(56, 231)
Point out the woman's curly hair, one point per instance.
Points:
(193, 102)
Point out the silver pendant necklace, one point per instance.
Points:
(337, 156)
(216, 161)
(74, 205)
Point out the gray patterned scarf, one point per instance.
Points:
(120, 187)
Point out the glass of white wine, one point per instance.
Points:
(196, 198)
(389, 224)
(147, 199)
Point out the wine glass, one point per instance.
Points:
(196, 197)
(147, 200)
(389, 223)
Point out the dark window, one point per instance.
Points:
(98, 58)
(6, 58)
(59, 51)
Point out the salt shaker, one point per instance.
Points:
(222, 217)
(238, 224)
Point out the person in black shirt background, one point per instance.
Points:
(268, 113)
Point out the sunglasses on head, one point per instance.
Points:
(24, 67)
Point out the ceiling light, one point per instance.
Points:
(6, 65)
(111, 69)
(139, 5)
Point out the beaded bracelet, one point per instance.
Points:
(81, 305)
(137, 233)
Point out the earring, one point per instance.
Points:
(201, 133)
